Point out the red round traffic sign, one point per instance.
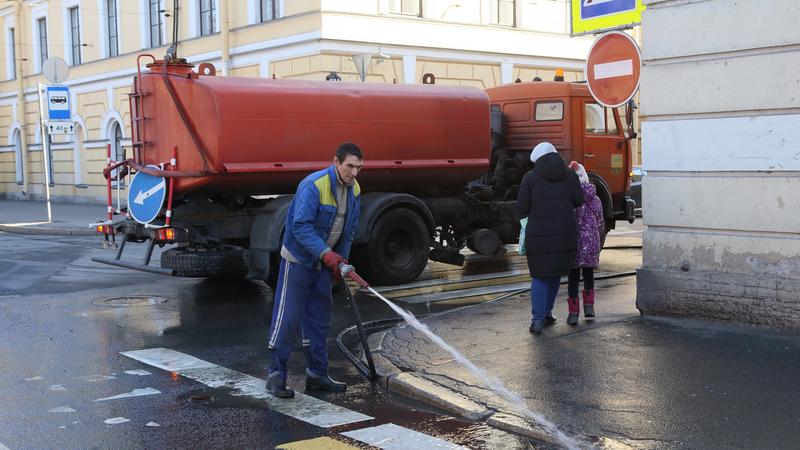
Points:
(612, 69)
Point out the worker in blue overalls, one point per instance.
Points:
(320, 227)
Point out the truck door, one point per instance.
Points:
(604, 146)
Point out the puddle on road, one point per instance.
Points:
(125, 302)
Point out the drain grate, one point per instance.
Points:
(125, 302)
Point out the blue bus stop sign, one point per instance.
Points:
(146, 196)
(58, 103)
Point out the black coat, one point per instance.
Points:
(548, 195)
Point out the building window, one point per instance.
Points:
(408, 7)
(155, 23)
(75, 35)
(118, 151)
(504, 12)
(208, 16)
(268, 10)
(113, 32)
(12, 63)
(41, 25)
(18, 154)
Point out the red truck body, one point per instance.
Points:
(262, 136)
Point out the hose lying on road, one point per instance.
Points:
(381, 324)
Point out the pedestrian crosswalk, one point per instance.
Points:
(394, 437)
(303, 407)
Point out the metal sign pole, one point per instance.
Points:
(45, 154)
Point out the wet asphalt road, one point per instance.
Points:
(64, 321)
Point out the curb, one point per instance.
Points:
(48, 231)
(416, 386)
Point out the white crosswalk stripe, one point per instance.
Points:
(302, 407)
(394, 437)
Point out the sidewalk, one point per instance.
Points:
(631, 381)
(30, 217)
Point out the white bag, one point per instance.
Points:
(523, 225)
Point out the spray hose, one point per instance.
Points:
(348, 271)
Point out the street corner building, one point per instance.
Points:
(483, 43)
(721, 129)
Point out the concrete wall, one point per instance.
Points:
(721, 138)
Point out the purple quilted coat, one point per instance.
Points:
(590, 225)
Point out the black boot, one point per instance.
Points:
(316, 382)
(536, 327)
(549, 319)
(276, 386)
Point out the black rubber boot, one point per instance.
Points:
(277, 386)
(315, 382)
(536, 327)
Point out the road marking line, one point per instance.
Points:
(133, 393)
(613, 69)
(302, 407)
(62, 409)
(394, 437)
(321, 443)
(116, 420)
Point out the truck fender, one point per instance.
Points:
(265, 236)
(604, 192)
(373, 204)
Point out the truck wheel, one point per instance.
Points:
(397, 250)
(228, 262)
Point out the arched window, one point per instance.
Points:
(18, 154)
(117, 150)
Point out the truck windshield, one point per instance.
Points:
(599, 120)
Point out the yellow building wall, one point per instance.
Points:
(317, 67)
(6, 117)
(246, 71)
(8, 171)
(92, 106)
(477, 75)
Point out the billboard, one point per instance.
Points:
(595, 16)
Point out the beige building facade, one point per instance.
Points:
(721, 128)
(481, 43)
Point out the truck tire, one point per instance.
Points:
(227, 262)
(397, 249)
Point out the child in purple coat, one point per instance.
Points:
(589, 216)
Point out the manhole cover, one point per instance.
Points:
(130, 301)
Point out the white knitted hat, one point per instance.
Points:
(541, 150)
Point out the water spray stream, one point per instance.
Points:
(490, 380)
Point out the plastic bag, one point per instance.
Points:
(523, 225)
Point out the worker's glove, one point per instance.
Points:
(349, 271)
(332, 261)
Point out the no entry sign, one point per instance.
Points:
(612, 69)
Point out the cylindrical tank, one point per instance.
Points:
(264, 135)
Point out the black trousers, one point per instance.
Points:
(575, 280)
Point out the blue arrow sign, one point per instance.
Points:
(58, 103)
(146, 196)
(597, 8)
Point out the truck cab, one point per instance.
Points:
(566, 115)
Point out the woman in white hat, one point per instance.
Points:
(548, 196)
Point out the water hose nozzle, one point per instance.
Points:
(348, 271)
